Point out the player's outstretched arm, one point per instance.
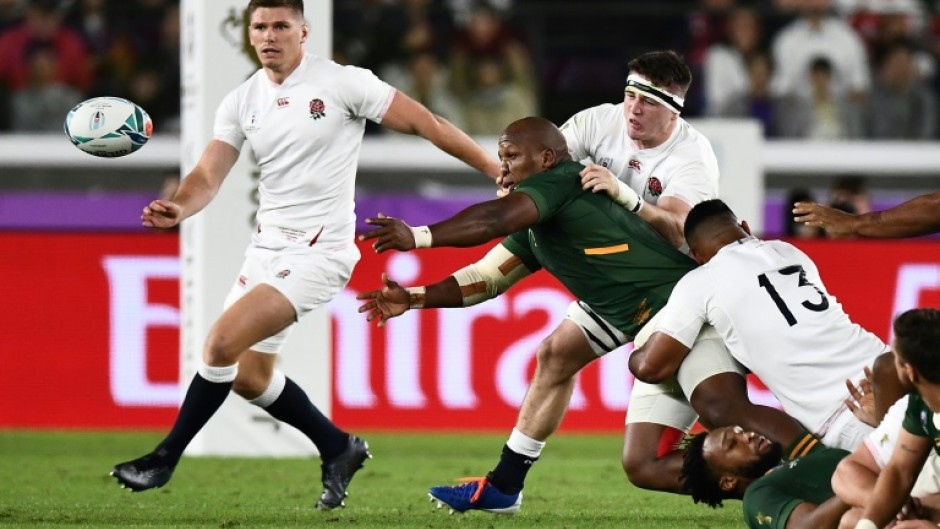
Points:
(895, 481)
(394, 300)
(473, 226)
(196, 190)
(411, 117)
(916, 217)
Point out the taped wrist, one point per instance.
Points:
(865, 524)
(628, 198)
(416, 297)
(422, 235)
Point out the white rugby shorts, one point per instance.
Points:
(667, 403)
(882, 441)
(308, 276)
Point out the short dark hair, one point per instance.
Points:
(663, 68)
(703, 212)
(917, 341)
(296, 5)
(697, 479)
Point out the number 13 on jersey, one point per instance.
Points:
(805, 296)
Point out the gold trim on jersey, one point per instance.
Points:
(606, 250)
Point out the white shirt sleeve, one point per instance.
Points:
(226, 127)
(685, 313)
(578, 134)
(363, 93)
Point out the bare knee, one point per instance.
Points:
(556, 364)
(220, 350)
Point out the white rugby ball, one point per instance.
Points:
(108, 126)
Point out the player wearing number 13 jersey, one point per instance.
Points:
(768, 303)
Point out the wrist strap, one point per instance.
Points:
(627, 197)
(422, 235)
(416, 297)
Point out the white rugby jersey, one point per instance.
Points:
(684, 166)
(306, 134)
(768, 303)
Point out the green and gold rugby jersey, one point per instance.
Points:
(921, 421)
(604, 255)
(769, 500)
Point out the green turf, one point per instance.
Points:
(60, 480)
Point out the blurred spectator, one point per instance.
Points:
(825, 114)
(43, 25)
(155, 83)
(850, 194)
(487, 39)
(818, 33)
(41, 105)
(426, 81)
(726, 75)
(495, 99)
(10, 13)
(902, 106)
(390, 32)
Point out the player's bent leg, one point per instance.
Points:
(656, 415)
(560, 357)
(644, 460)
(855, 476)
(261, 312)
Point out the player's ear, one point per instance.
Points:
(547, 159)
(745, 227)
(304, 32)
(727, 483)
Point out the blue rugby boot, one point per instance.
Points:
(475, 494)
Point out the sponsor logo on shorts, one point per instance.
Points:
(283, 273)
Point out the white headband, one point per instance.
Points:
(641, 86)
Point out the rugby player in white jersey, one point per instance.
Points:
(304, 117)
(768, 303)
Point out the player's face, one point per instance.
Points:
(277, 34)
(516, 163)
(731, 450)
(649, 122)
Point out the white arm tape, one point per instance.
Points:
(422, 235)
(489, 277)
(628, 198)
(865, 524)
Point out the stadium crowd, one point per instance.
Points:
(811, 69)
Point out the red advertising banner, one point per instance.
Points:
(91, 331)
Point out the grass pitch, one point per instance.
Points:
(61, 480)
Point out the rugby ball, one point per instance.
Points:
(108, 126)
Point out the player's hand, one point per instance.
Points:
(914, 524)
(836, 223)
(911, 511)
(384, 304)
(597, 178)
(391, 234)
(861, 399)
(161, 214)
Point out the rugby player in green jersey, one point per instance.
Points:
(917, 358)
(621, 270)
(731, 463)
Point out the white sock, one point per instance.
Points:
(218, 374)
(273, 391)
(521, 443)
